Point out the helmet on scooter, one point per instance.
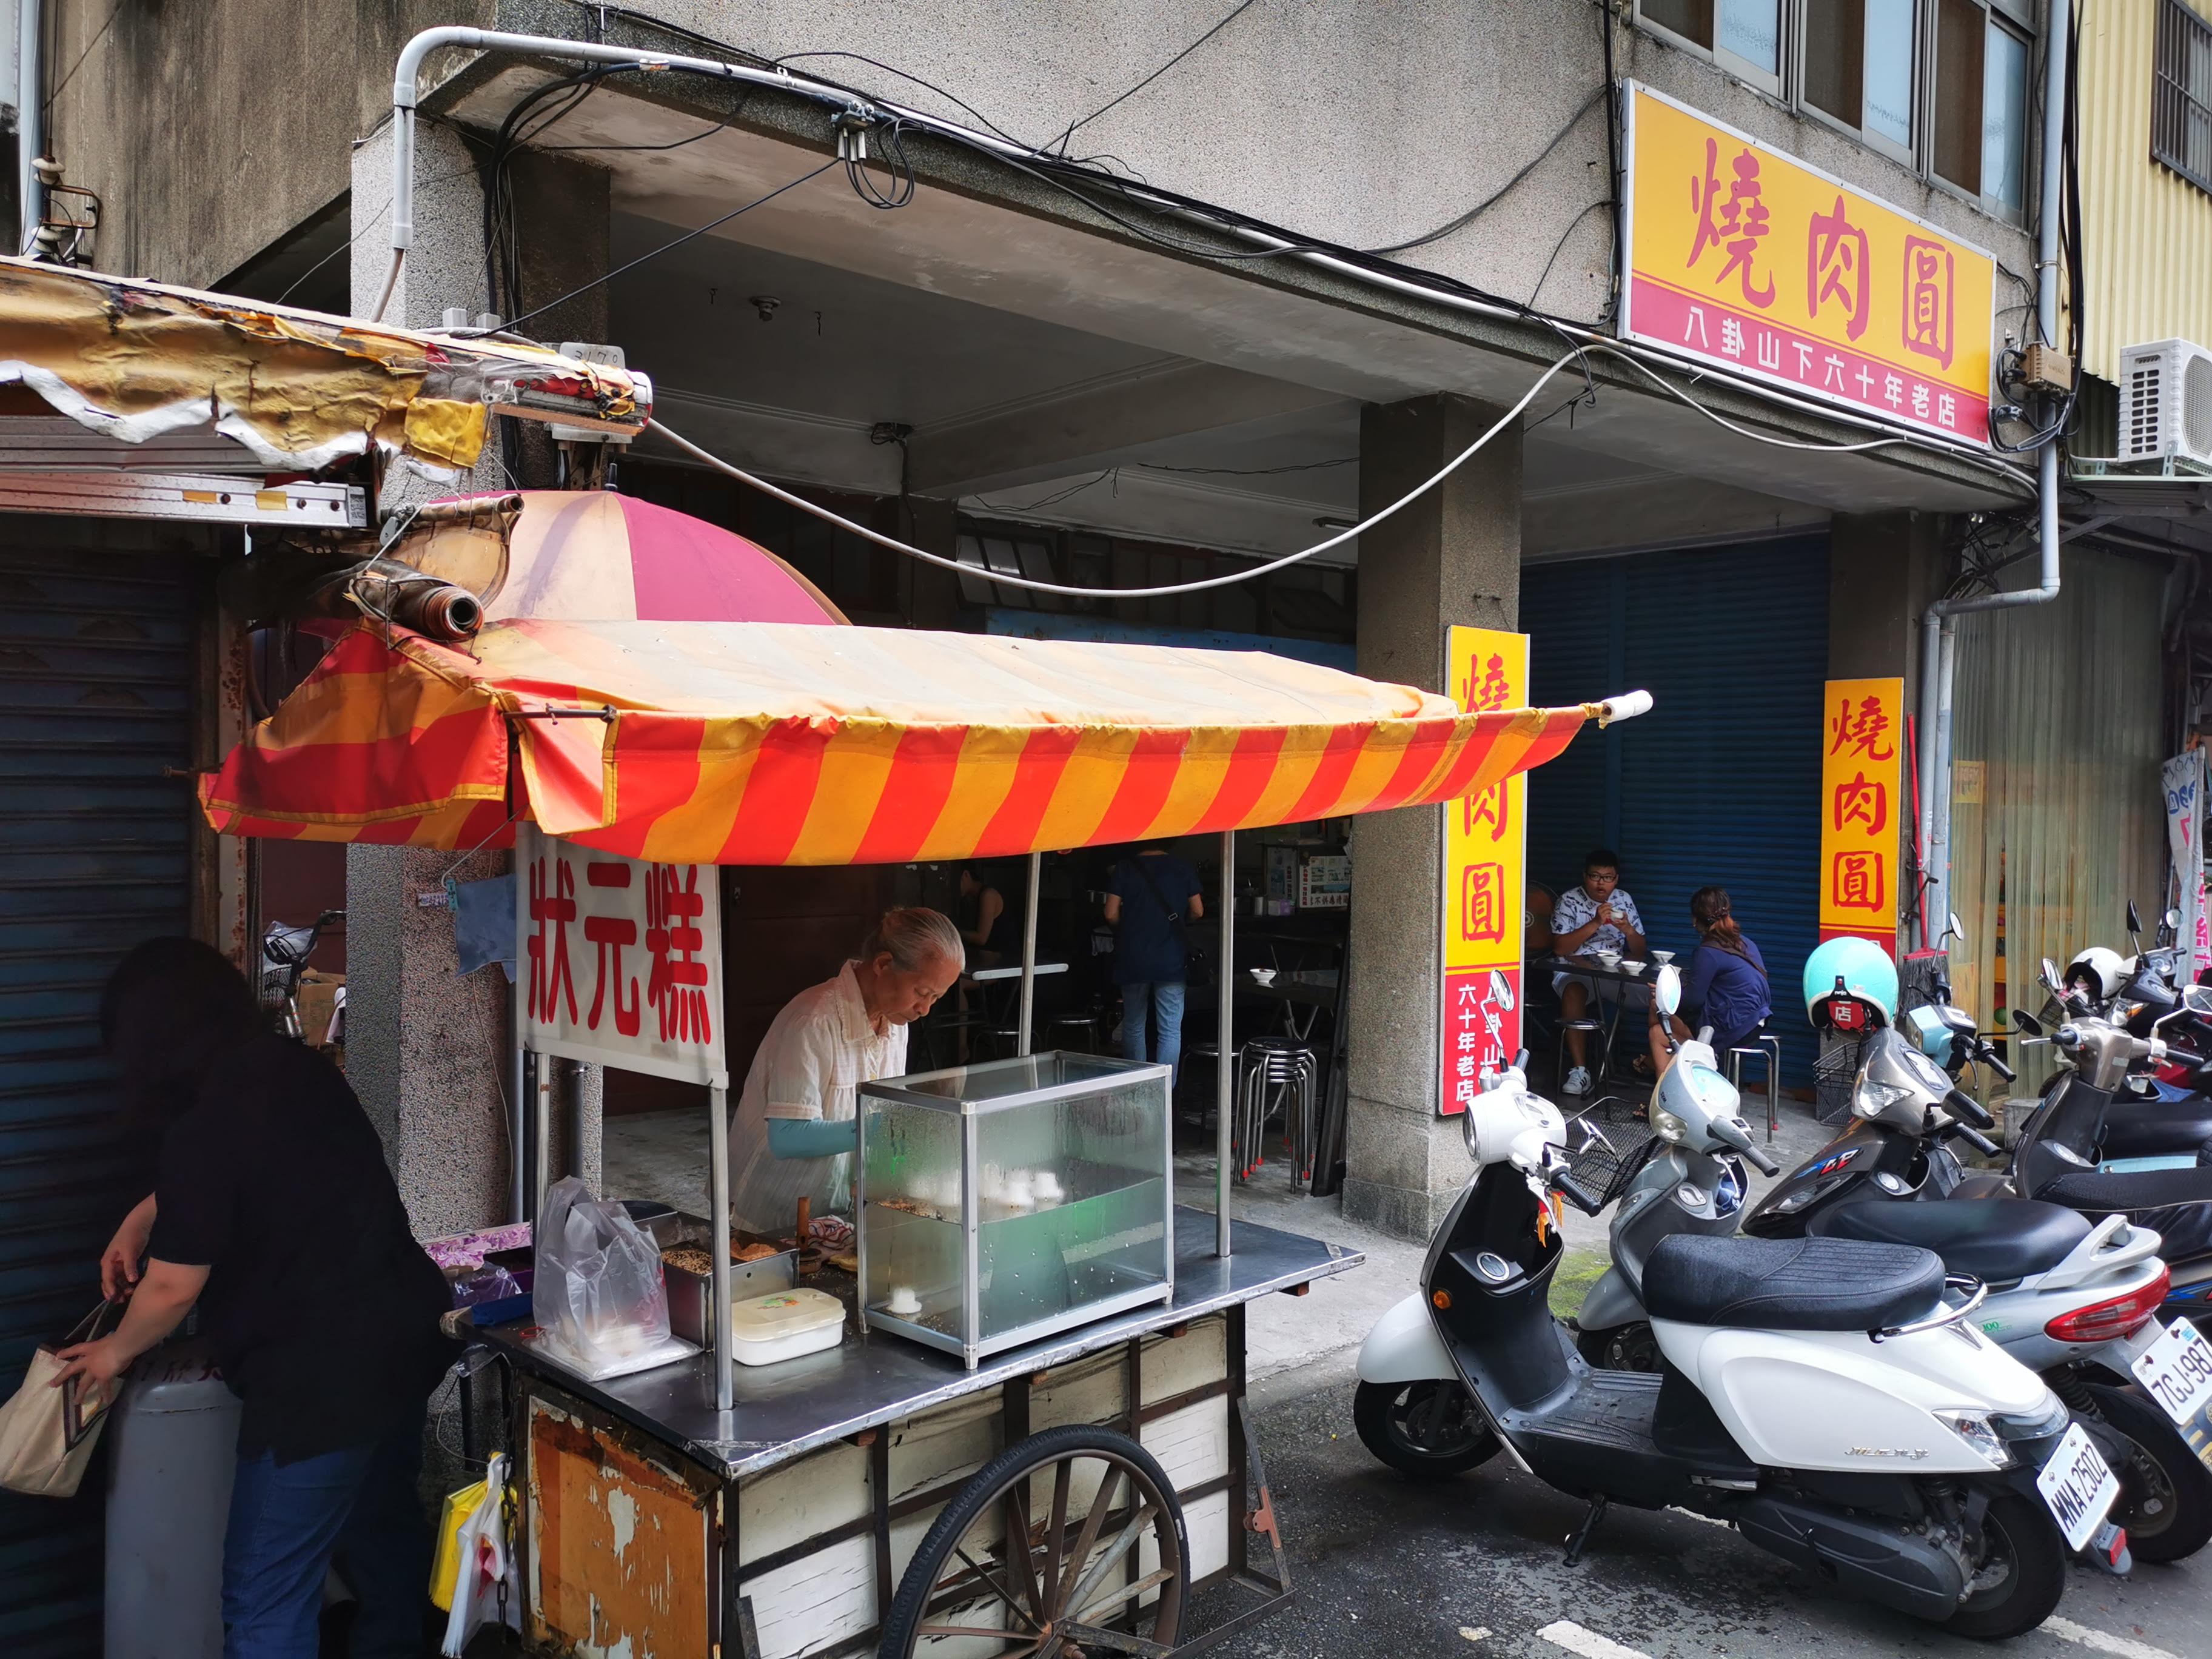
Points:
(2099, 971)
(1851, 984)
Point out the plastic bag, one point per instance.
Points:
(481, 1591)
(599, 1296)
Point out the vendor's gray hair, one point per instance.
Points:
(913, 936)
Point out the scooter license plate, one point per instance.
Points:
(2176, 1371)
(2079, 1486)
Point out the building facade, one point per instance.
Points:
(1061, 373)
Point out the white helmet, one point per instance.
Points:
(2102, 972)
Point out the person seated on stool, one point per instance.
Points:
(1723, 984)
(1598, 915)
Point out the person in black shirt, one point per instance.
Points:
(985, 926)
(274, 1210)
(1151, 900)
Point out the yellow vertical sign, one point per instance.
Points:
(1862, 772)
(1485, 880)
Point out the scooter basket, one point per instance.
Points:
(1834, 1072)
(1606, 1169)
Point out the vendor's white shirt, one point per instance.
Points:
(810, 1064)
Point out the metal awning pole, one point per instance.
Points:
(717, 1101)
(1028, 1020)
(1224, 975)
(541, 1133)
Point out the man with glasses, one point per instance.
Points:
(1594, 917)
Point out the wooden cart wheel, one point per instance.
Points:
(1043, 1556)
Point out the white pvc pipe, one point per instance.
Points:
(1027, 1022)
(1939, 655)
(30, 124)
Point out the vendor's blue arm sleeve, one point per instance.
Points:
(802, 1137)
(1698, 981)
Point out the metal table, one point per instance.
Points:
(1591, 968)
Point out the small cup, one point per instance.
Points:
(902, 1303)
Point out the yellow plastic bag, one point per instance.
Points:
(446, 1569)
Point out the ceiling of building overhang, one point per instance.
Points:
(1051, 373)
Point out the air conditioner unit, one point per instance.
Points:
(2166, 402)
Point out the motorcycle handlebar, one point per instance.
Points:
(1960, 1104)
(1737, 1134)
(1978, 1140)
(1765, 1164)
(1575, 1193)
(1995, 1061)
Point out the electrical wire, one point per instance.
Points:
(1495, 195)
(1559, 246)
(1236, 12)
(1337, 540)
(653, 253)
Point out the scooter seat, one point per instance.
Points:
(1992, 1238)
(1790, 1283)
(2140, 1189)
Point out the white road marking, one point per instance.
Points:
(2099, 1642)
(1589, 1644)
(1474, 1632)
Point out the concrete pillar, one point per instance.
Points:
(1454, 556)
(429, 1051)
(1884, 571)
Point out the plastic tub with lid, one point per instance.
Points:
(785, 1324)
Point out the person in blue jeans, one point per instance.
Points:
(274, 1210)
(1150, 902)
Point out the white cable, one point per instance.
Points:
(1337, 540)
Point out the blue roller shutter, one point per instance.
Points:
(1720, 782)
(95, 700)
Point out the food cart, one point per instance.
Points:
(1068, 1492)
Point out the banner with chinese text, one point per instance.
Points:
(1740, 255)
(619, 962)
(1484, 884)
(1861, 769)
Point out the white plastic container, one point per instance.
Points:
(785, 1324)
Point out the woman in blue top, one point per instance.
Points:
(1723, 983)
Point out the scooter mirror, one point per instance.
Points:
(1667, 990)
(2024, 1024)
(2198, 999)
(2051, 976)
(2135, 921)
(1958, 932)
(2174, 922)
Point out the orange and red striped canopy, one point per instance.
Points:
(771, 743)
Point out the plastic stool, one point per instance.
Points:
(1768, 1047)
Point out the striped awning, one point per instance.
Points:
(773, 744)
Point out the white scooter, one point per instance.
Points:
(2073, 1301)
(1828, 1398)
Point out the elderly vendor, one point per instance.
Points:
(793, 1135)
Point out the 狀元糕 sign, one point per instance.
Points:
(618, 962)
(1485, 885)
(1862, 767)
(1741, 256)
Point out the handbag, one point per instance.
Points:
(47, 1434)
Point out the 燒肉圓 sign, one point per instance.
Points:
(1741, 256)
(1862, 770)
(1484, 884)
(618, 962)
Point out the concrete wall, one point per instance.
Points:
(213, 130)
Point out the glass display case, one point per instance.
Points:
(998, 1203)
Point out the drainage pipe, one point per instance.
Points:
(30, 125)
(1939, 632)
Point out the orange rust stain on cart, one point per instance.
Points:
(619, 1545)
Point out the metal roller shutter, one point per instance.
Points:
(95, 700)
(1720, 782)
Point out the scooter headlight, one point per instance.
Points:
(1668, 1128)
(2047, 1424)
(1976, 1428)
(1871, 1099)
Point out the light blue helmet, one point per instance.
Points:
(1857, 968)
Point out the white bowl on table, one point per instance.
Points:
(1631, 965)
(1660, 959)
(1607, 960)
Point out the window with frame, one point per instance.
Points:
(2181, 93)
(1940, 86)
